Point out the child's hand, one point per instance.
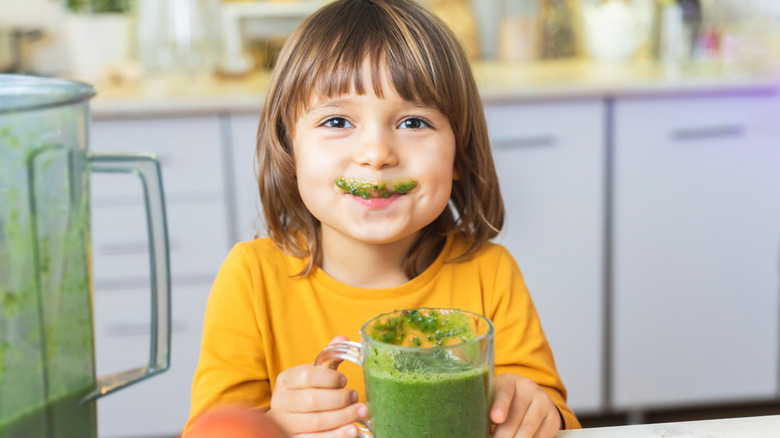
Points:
(522, 409)
(312, 401)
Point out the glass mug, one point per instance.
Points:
(428, 373)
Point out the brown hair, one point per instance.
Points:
(424, 63)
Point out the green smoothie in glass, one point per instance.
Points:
(428, 373)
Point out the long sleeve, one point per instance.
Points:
(232, 366)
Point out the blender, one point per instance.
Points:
(48, 386)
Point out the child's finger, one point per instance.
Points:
(550, 426)
(531, 421)
(336, 362)
(348, 431)
(338, 339)
(316, 400)
(503, 393)
(326, 422)
(510, 428)
(310, 376)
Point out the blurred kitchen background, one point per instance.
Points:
(60, 37)
(637, 143)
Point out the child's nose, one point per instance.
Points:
(376, 151)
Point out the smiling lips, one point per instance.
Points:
(375, 193)
(376, 202)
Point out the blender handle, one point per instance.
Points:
(147, 168)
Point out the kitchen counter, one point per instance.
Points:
(747, 427)
(550, 80)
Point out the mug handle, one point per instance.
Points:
(330, 357)
(147, 168)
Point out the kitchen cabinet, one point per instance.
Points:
(647, 230)
(247, 211)
(550, 159)
(160, 405)
(696, 253)
(191, 151)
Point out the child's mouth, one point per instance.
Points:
(374, 189)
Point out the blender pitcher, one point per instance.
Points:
(48, 385)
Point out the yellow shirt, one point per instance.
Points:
(261, 319)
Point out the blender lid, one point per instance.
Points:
(26, 93)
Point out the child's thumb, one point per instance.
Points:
(338, 339)
(332, 363)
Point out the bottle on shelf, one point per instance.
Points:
(557, 30)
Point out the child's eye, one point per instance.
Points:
(337, 122)
(414, 123)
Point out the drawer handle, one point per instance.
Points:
(140, 328)
(129, 247)
(124, 247)
(530, 141)
(708, 133)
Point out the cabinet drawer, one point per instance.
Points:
(159, 406)
(198, 239)
(542, 125)
(714, 121)
(189, 151)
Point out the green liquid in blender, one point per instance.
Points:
(46, 343)
(64, 417)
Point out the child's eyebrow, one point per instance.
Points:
(329, 104)
(318, 107)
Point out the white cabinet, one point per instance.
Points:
(694, 197)
(247, 209)
(191, 152)
(696, 250)
(160, 405)
(550, 159)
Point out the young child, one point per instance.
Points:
(379, 193)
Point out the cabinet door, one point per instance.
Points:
(696, 250)
(189, 150)
(247, 210)
(191, 155)
(550, 160)
(160, 405)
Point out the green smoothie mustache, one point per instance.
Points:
(374, 189)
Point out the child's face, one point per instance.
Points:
(366, 142)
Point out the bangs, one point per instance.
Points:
(355, 46)
(337, 44)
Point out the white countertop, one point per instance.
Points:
(550, 80)
(747, 427)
